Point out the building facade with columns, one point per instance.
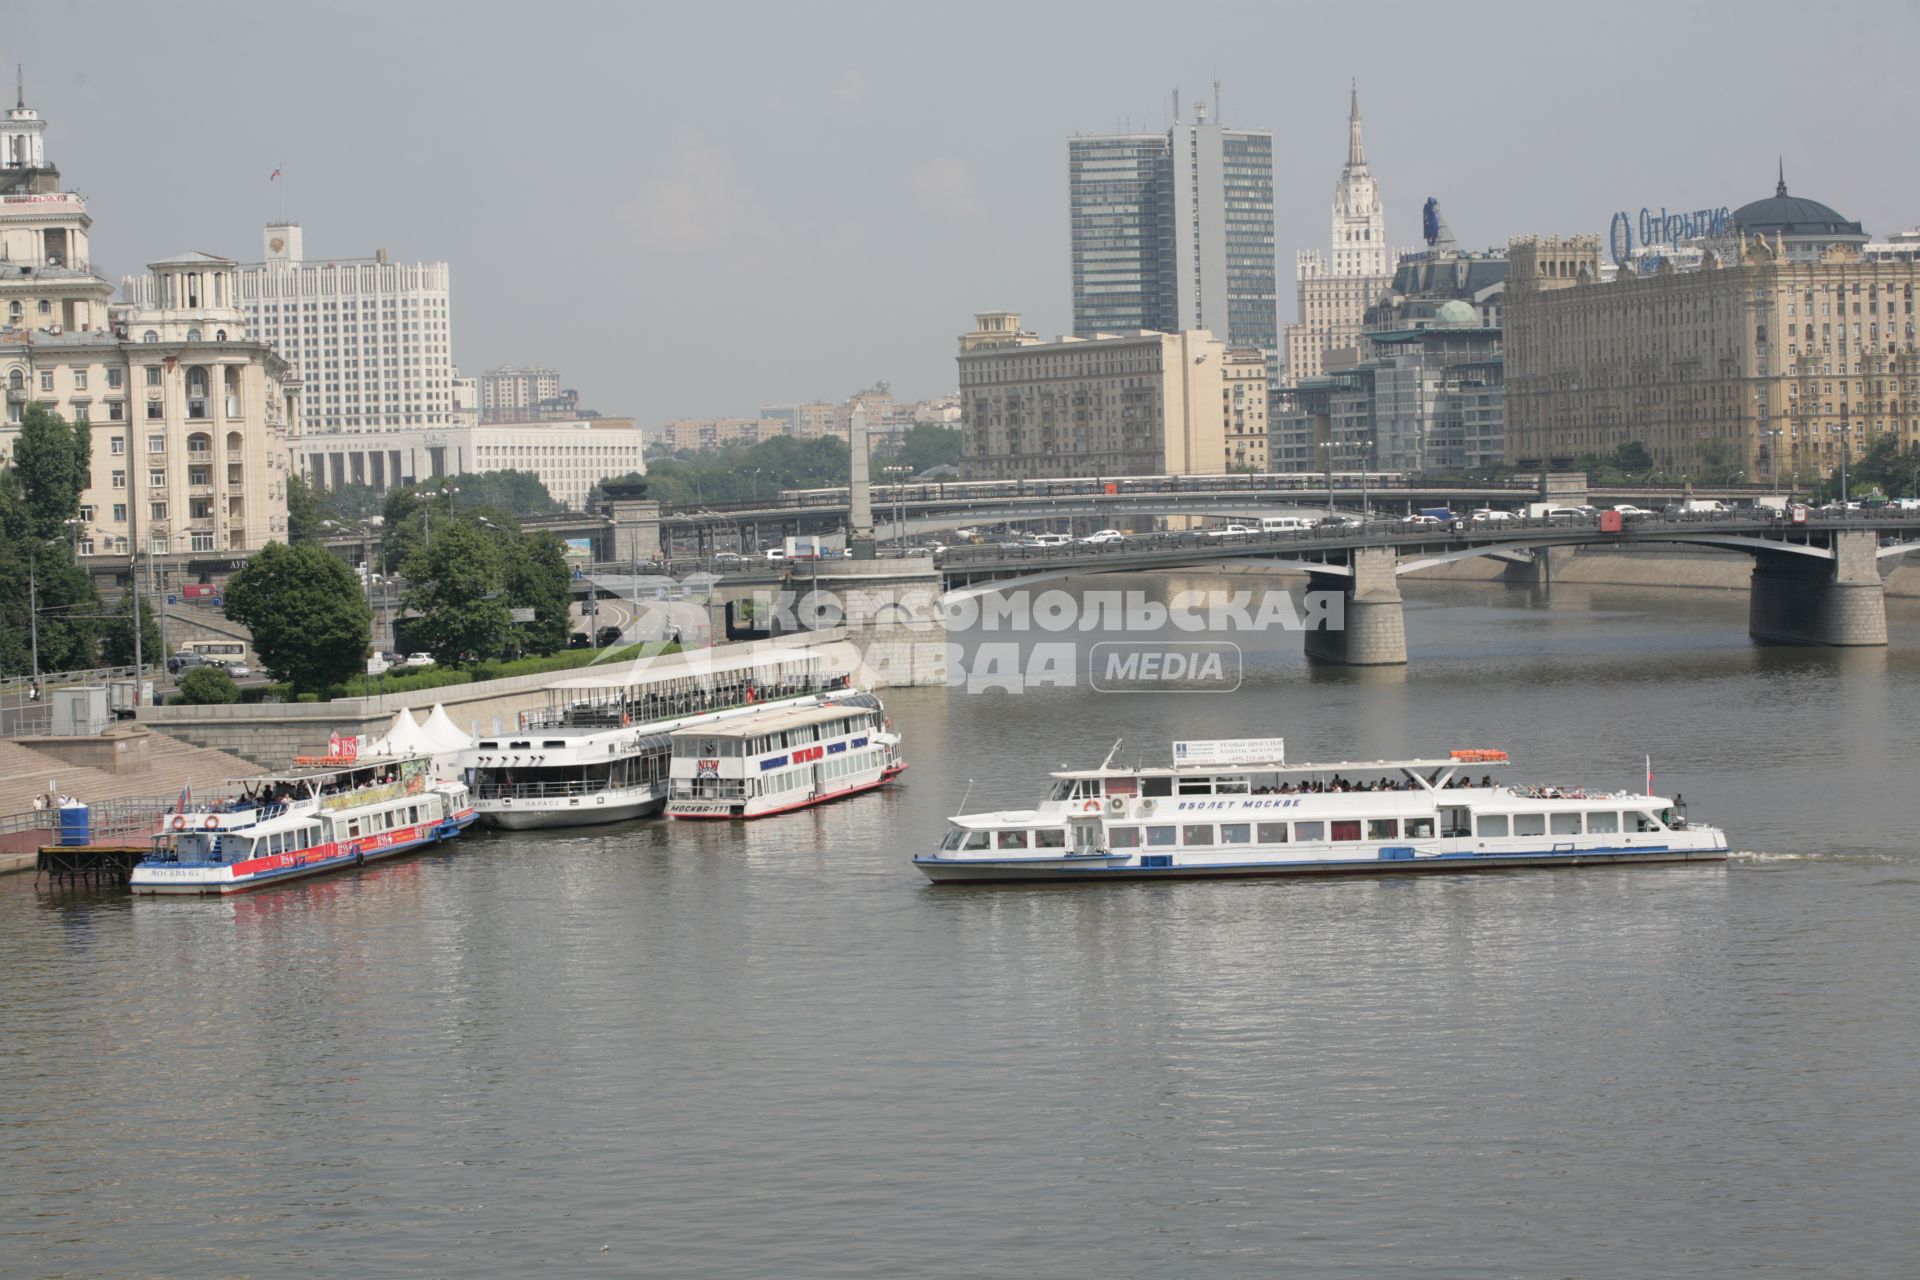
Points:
(191, 419)
(1138, 403)
(1335, 292)
(1790, 353)
(568, 457)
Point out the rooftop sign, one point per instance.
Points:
(1664, 228)
(1230, 751)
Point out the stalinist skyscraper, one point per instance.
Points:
(1334, 295)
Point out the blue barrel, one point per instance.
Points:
(76, 825)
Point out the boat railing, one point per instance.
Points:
(541, 790)
(709, 789)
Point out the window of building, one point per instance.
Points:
(46, 379)
(158, 510)
(120, 509)
(150, 336)
(116, 445)
(119, 479)
(153, 375)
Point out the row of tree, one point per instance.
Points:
(741, 473)
(43, 590)
(467, 569)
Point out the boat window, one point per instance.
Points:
(1493, 824)
(1236, 833)
(1061, 790)
(1197, 834)
(1156, 786)
(1598, 823)
(1123, 786)
(1050, 838)
(1529, 824)
(1419, 828)
(1013, 839)
(1383, 829)
(954, 837)
(520, 746)
(489, 746)
(1235, 786)
(1160, 837)
(978, 839)
(1271, 832)
(553, 742)
(353, 827)
(1566, 824)
(1346, 830)
(1309, 831)
(1196, 786)
(1645, 822)
(1123, 837)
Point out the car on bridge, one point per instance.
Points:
(1491, 515)
(1105, 537)
(1232, 531)
(1570, 515)
(1421, 520)
(1340, 522)
(1628, 509)
(1042, 541)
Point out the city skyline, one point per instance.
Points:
(826, 211)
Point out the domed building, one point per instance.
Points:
(1805, 228)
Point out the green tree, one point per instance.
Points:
(1632, 459)
(305, 512)
(53, 459)
(116, 640)
(1721, 462)
(208, 686)
(455, 585)
(311, 626)
(534, 575)
(1895, 471)
(926, 445)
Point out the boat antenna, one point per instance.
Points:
(965, 798)
(1110, 754)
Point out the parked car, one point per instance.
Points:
(606, 637)
(419, 660)
(1490, 515)
(1104, 537)
(1231, 531)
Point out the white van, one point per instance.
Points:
(1284, 524)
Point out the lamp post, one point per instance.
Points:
(1846, 447)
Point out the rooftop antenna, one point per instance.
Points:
(968, 796)
(1176, 105)
(1111, 754)
(20, 85)
(1219, 116)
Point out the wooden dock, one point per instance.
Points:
(91, 866)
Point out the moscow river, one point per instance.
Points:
(773, 1050)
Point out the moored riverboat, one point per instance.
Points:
(325, 814)
(779, 759)
(1236, 808)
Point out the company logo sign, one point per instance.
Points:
(1664, 228)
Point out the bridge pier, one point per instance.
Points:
(1374, 633)
(1796, 599)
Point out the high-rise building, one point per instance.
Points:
(1335, 293)
(190, 418)
(370, 339)
(1174, 232)
(513, 394)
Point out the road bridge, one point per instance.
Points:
(1816, 582)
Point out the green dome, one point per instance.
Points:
(1455, 312)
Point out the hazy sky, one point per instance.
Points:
(692, 210)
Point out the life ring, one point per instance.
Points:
(1091, 806)
(211, 824)
(1116, 804)
(179, 824)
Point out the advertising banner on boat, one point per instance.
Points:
(1230, 751)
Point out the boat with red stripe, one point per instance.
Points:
(326, 814)
(783, 758)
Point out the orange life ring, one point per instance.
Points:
(1091, 806)
(212, 823)
(179, 824)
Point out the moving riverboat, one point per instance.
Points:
(1236, 808)
(326, 814)
(778, 759)
(599, 751)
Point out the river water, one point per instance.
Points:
(772, 1050)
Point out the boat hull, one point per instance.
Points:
(724, 811)
(527, 815)
(1080, 869)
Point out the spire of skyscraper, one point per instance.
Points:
(1356, 145)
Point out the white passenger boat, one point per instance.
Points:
(1235, 808)
(778, 759)
(323, 815)
(598, 752)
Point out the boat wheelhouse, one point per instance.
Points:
(1237, 809)
(782, 758)
(326, 814)
(599, 751)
